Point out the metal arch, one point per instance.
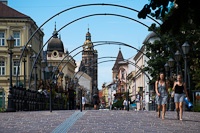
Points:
(99, 14)
(101, 43)
(130, 62)
(84, 5)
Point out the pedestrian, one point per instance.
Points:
(161, 88)
(83, 102)
(125, 103)
(95, 101)
(179, 88)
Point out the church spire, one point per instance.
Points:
(88, 35)
(55, 33)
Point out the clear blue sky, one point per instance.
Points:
(102, 28)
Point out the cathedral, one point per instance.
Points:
(89, 63)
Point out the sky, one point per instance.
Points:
(102, 27)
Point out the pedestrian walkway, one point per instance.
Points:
(98, 121)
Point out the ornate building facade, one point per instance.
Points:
(120, 73)
(54, 55)
(21, 27)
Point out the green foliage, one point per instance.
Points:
(174, 14)
(2, 109)
(196, 79)
(197, 107)
(118, 104)
(160, 51)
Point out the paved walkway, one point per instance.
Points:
(97, 121)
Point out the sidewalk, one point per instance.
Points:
(98, 121)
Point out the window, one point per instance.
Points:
(16, 35)
(15, 65)
(2, 67)
(2, 38)
(123, 74)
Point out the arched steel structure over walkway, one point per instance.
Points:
(101, 14)
(99, 43)
(84, 5)
(129, 62)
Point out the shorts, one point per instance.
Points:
(161, 100)
(179, 97)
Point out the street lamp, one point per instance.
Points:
(56, 71)
(177, 58)
(35, 68)
(166, 69)
(61, 74)
(171, 65)
(170, 107)
(50, 67)
(127, 92)
(66, 88)
(185, 48)
(66, 82)
(24, 60)
(43, 65)
(81, 92)
(10, 42)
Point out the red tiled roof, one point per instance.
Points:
(8, 12)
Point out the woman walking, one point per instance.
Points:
(179, 88)
(162, 94)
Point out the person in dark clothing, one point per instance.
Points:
(95, 101)
(179, 88)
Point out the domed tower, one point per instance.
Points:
(89, 61)
(55, 46)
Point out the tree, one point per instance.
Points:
(181, 22)
(175, 14)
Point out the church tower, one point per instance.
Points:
(89, 62)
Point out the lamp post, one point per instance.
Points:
(185, 48)
(24, 60)
(177, 58)
(75, 88)
(56, 73)
(171, 65)
(35, 68)
(166, 69)
(43, 65)
(128, 100)
(61, 74)
(66, 88)
(127, 93)
(11, 108)
(50, 67)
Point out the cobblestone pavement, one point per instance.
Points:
(98, 121)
